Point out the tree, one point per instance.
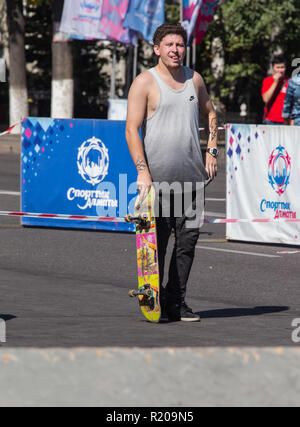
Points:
(92, 82)
(62, 86)
(62, 102)
(172, 11)
(18, 97)
(38, 37)
(251, 32)
(4, 53)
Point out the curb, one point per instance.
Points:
(173, 377)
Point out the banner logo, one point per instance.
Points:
(91, 6)
(93, 161)
(279, 170)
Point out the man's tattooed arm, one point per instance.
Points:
(141, 165)
(211, 128)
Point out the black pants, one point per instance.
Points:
(182, 259)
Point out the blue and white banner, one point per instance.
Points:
(77, 167)
(263, 180)
(82, 19)
(95, 20)
(145, 16)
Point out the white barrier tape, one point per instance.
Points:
(9, 129)
(12, 127)
(60, 216)
(113, 219)
(220, 128)
(249, 220)
(288, 252)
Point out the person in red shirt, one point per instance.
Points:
(273, 92)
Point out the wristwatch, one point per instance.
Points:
(213, 151)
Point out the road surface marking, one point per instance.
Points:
(212, 241)
(215, 214)
(237, 252)
(10, 193)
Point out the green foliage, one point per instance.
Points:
(251, 32)
(38, 38)
(91, 83)
(172, 11)
(39, 3)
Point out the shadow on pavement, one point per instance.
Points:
(7, 317)
(240, 312)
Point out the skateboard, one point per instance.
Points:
(147, 258)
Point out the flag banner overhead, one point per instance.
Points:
(145, 16)
(191, 9)
(96, 20)
(81, 19)
(113, 14)
(205, 17)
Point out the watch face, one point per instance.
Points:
(213, 151)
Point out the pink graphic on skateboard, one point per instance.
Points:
(147, 254)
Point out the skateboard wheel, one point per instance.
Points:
(128, 218)
(132, 293)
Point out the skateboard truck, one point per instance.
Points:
(142, 220)
(146, 295)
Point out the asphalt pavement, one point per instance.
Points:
(69, 288)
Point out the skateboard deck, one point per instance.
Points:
(147, 258)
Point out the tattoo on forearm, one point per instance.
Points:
(213, 129)
(140, 165)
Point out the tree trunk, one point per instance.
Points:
(18, 96)
(62, 102)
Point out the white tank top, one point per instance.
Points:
(171, 136)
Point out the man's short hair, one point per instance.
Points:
(166, 29)
(278, 59)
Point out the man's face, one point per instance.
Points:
(171, 50)
(279, 68)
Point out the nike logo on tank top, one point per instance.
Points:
(171, 136)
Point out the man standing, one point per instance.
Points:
(273, 92)
(165, 103)
(291, 109)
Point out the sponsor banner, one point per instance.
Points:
(77, 167)
(263, 181)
